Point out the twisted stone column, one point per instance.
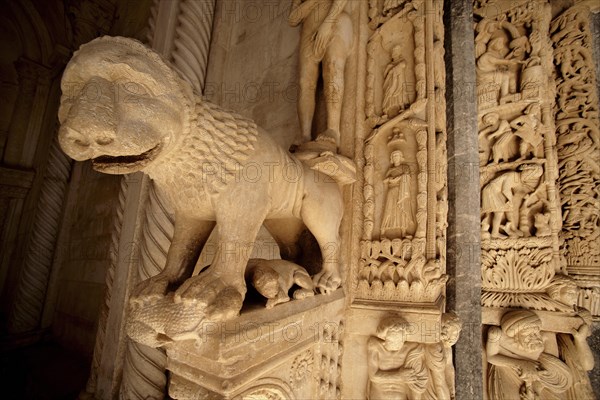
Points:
(144, 367)
(30, 295)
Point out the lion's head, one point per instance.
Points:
(122, 106)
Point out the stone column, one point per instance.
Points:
(463, 265)
(30, 295)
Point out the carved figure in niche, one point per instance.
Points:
(493, 67)
(396, 98)
(438, 358)
(398, 217)
(527, 128)
(502, 197)
(520, 369)
(274, 278)
(326, 39)
(193, 150)
(504, 146)
(395, 366)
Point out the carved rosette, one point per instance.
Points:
(578, 147)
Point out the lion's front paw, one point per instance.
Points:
(150, 290)
(222, 300)
(327, 281)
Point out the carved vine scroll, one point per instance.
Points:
(578, 146)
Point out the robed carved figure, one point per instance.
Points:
(126, 110)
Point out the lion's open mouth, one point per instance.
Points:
(125, 164)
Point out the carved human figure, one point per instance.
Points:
(192, 150)
(438, 359)
(395, 91)
(519, 368)
(395, 366)
(326, 39)
(502, 198)
(563, 289)
(501, 135)
(493, 67)
(527, 129)
(398, 218)
(274, 278)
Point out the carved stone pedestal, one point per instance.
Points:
(289, 352)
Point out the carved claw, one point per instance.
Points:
(150, 290)
(222, 300)
(327, 281)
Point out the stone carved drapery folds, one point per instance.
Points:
(522, 267)
(578, 147)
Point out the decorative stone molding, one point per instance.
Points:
(192, 40)
(15, 183)
(578, 147)
(403, 249)
(405, 189)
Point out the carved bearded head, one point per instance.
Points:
(122, 106)
(525, 328)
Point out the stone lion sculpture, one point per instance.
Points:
(127, 110)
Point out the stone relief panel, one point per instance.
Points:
(405, 206)
(297, 350)
(400, 279)
(578, 147)
(528, 359)
(520, 218)
(399, 368)
(528, 298)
